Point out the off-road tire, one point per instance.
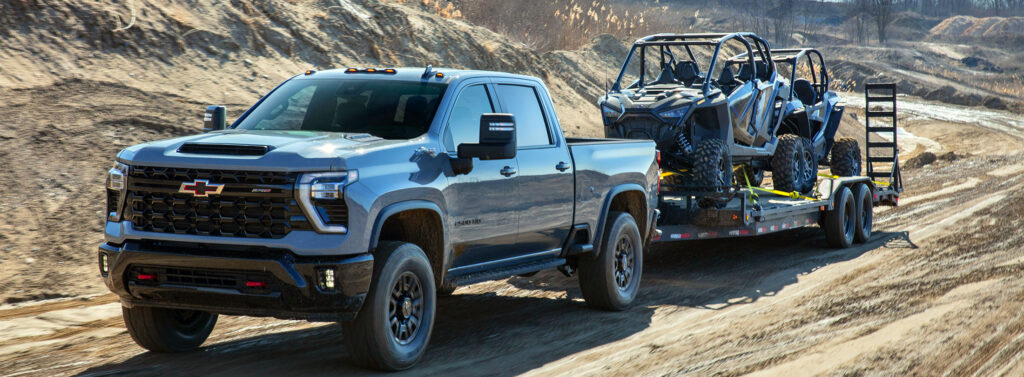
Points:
(788, 164)
(168, 330)
(369, 338)
(840, 222)
(846, 160)
(712, 165)
(604, 279)
(864, 200)
(756, 176)
(810, 176)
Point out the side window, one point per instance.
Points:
(522, 101)
(464, 122)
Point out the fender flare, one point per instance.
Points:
(408, 205)
(606, 207)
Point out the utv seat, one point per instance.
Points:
(746, 73)
(762, 71)
(727, 81)
(686, 73)
(805, 92)
(666, 76)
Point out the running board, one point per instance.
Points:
(501, 273)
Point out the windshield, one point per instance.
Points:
(383, 108)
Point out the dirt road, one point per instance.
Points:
(935, 291)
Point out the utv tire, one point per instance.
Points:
(610, 280)
(392, 329)
(168, 330)
(864, 200)
(846, 161)
(755, 176)
(788, 164)
(810, 173)
(712, 166)
(840, 222)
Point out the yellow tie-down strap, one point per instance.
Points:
(837, 177)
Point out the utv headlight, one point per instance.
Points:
(322, 197)
(674, 113)
(610, 112)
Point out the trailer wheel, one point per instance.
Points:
(392, 329)
(788, 164)
(846, 161)
(865, 212)
(168, 330)
(712, 166)
(611, 279)
(840, 224)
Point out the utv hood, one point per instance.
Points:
(286, 151)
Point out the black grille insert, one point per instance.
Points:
(195, 277)
(252, 204)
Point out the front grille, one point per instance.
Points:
(251, 204)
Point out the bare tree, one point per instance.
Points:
(882, 12)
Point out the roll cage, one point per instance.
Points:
(820, 79)
(695, 39)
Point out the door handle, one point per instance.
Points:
(562, 166)
(508, 171)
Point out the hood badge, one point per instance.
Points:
(201, 188)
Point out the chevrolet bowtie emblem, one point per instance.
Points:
(201, 188)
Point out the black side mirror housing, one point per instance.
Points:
(497, 139)
(215, 118)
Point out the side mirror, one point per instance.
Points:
(497, 139)
(215, 118)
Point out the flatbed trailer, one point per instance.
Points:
(753, 211)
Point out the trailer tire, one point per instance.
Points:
(168, 330)
(610, 280)
(788, 164)
(402, 274)
(846, 161)
(865, 212)
(840, 221)
(712, 165)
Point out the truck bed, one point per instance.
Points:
(602, 164)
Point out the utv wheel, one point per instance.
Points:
(754, 175)
(809, 177)
(846, 161)
(840, 224)
(393, 327)
(712, 168)
(168, 330)
(864, 200)
(788, 164)
(610, 279)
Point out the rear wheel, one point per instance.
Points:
(712, 168)
(611, 279)
(393, 327)
(168, 330)
(864, 200)
(846, 161)
(788, 164)
(840, 224)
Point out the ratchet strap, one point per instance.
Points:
(837, 177)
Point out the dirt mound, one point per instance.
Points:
(988, 27)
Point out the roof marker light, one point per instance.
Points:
(439, 75)
(351, 70)
(310, 72)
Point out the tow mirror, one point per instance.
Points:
(215, 118)
(497, 139)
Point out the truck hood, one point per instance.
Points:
(287, 151)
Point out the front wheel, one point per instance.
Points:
(610, 280)
(168, 330)
(392, 329)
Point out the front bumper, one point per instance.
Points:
(260, 282)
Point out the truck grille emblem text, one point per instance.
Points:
(201, 188)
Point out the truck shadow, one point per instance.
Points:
(475, 334)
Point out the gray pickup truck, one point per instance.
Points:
(358, 196)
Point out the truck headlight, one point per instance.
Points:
(322, 198)
(117, 181)
(674, 113)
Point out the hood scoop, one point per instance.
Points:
(227, 149)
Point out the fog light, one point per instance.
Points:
(104, 264)
(327, 278)
(147, 277)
